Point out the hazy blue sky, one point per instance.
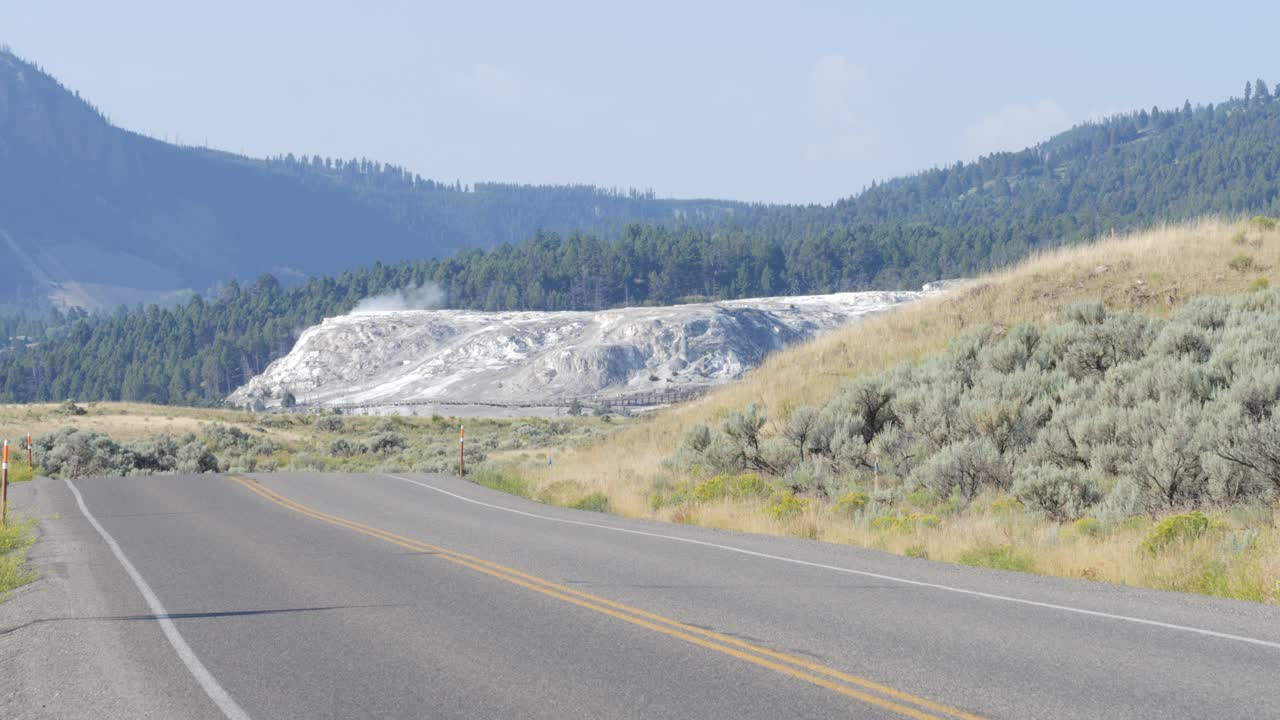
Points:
(794, 101)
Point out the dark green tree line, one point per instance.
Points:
(1122, 173)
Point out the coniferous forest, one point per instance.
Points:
(1122, 173)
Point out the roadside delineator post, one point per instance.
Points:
(4, 488)
(462, 450)
(31, 464)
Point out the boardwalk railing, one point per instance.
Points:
(649, 398)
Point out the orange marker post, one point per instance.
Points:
(4, 487)
(30, 463)
(462, 450)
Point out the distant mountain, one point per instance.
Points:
(96, 212)
(93, 215)
(1121, 173)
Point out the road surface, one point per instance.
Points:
(415, 596)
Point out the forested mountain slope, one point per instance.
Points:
(94, 215)
(1128, 171)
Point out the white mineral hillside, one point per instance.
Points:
(415, 359)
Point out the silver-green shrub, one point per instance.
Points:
(965, 467)
(1060, 493)
(73, 453)
(1125, 500)
(1178, 413)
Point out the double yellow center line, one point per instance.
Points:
(846, 684)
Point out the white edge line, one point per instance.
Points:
(863, 573)
(216, 693)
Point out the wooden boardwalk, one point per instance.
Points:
(651, 398)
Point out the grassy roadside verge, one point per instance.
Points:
(15, 538)
(19, 472)
(504, 478)
(1232, 553)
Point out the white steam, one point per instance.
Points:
(425, 297)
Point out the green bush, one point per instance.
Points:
(922, 498)
(666, 493)
(904, 523)
(222, 438)
(749, 485)
(965, 467)
(999, 557)
(595, 502)
(386, 442)
(344, 448)
(1060, 493)
(1180, 528)
(1006, 505)
(787, 506)
(330, 423)
(657, 501)
(72, 453)
(1088, 527)
(738, 487)
(1262, 222)
(70, 409)
(194, 457)
(712, 489)
(851, 503)
(1242, 263)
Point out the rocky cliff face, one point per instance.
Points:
(383, 359)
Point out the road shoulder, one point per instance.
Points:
(66, 651)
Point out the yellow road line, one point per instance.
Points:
(708, 639)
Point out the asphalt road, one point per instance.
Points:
(324, 596)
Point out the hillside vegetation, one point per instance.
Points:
(113, 439)
(130, 210)
(1101, 411)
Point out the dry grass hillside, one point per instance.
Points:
(125, 422)
(1153, 273)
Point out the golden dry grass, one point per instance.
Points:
(1152, 272)
(126, 422)
(1209, 564)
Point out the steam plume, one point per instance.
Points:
(425, 297)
